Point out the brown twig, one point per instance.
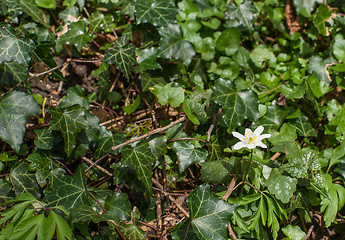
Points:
(231, 232)
(275, 156)
(158, 130)
(95, 163)
(69, 171)
(186, 138)
(190, 82)
(309, 232)
(326, 66)
(230, 189)
(97, 201)
(97, 166)
(214, 121)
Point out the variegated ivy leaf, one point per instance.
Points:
(209, 214)
(237, 105)
(122, 55)
(157, 12)
(69, 191)
(141, 159)
(13, 48)
(283, 187)
(187, 154)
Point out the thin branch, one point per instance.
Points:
(97, 166)
(95, 163)
(230, 189)
(97, 201)
(309, 232)
(158, 130)
(231, 232)
(214, 121)
(186, 138)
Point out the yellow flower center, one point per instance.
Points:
(249, 138)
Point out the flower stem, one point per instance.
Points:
(244, 179)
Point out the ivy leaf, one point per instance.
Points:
(130, 229)
(13, 48)
(157, 12)
(132, 107)
(187, 154)
(75, 96)
(31, 9)
(184, 231)
(5, 190)
(99, 21)
(55, 223)
(85, 213)
(293, 232)
(287, 133)
(229, 41)
(122, 55)
(322, 15)
(158, 145)
(12, 73)
(237, 105)
(15, 108)
(303, 126)
(317, 66)
(209, 215)
(216, 171)
(118, 206)
(141, 159)
(300, 165)
(172, 44)
(147, 59)
(339, 49)
(287, 147)
(273, 118)
(106, 141)
(70, 121)
(77, 35)
(44, 139)
(168, 94)
(283, 187)
(69, 191)
(241, 16)
(260, 55)
(24, 181)
(306, 6)
(147, 81)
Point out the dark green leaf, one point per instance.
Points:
(99, 21)
(75, 96)
(24, 181)
(130, 229)
(303, 126)
(141, 159)
(31, 9)
(237, 105)
(157, 12)
(44, 138)
(6, 192)
(148, 82)
(15, 108)
(118, 206)
(172, 44)
(184, 231)
(209, 215)
(216, 171)
(283, 187)
(147, 59)
(69, 191)
(122, 56)
(322, 15)
(187, 154)
(12, 73)
(70, 121)
(287, 147)
(229, 41)
(301, 165)
(13, 48)
(106, 141)
(241, 16)
(158, 145)
(189, 113)
(86, 213)
(318, 66)
(273, 118)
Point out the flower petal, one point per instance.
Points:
(248, 132)
(238, 135)
(251, 145)
(263, 136)
(259, 130)
(239, 145)
(260, 144)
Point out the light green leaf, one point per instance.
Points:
(189, 113)
(46, 3)
(24, 181)
(15, 108)
(13, 48)
(141, 159)
(229, 41)
(237, 105)
(69, 191)
(209, 214)
(187, 154)
(245, 199)
(157, 12)
(132, 107)
(206, 47)
(306, 6)
(241, 16)
(303, 126)
(12, 73)
(173, 46)
(122, 55)
(99, 21)
(317, 66)
(293, 232)
(29, 228)
(339, 49)
(283, 187)
(322, 15)
(287, 147)
(318, 88)
(184, 231)
(287, 133)
(260, 55)
(168, 94)
(70, 121)
(56, 223)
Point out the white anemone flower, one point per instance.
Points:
(251, 139)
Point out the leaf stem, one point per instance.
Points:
(250, 161)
